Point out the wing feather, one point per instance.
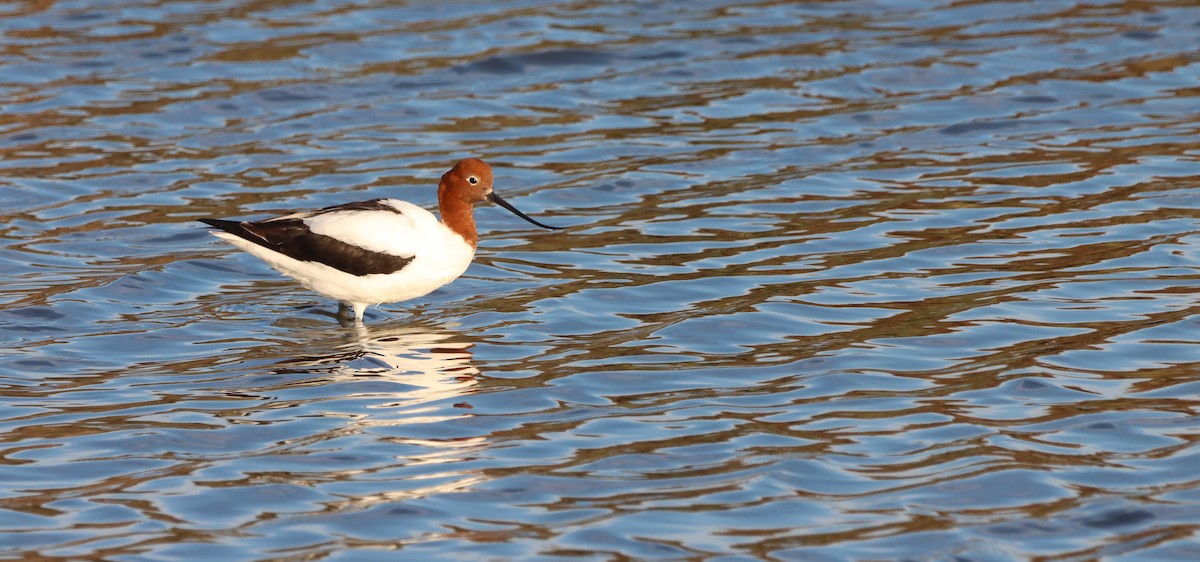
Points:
(360, 238)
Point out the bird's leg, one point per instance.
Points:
(351, 311)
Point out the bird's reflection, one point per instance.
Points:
(433, 362)
(435, 368)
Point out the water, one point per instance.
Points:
(843, 280)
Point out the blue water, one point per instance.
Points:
(842, 281)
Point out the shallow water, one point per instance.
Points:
(843, 280)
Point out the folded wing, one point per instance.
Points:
(357, 238)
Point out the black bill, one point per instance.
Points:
(494, 198)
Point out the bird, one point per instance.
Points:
(377, 251)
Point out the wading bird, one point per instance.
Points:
(377, 251)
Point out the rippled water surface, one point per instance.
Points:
(843, 280)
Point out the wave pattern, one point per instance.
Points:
(846, 280)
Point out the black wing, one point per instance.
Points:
(292, 237)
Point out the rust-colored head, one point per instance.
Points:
(467, 183)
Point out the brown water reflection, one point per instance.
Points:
(845, 280)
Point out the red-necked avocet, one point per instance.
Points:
(377, 251)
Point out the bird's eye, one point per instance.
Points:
(473, 180)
